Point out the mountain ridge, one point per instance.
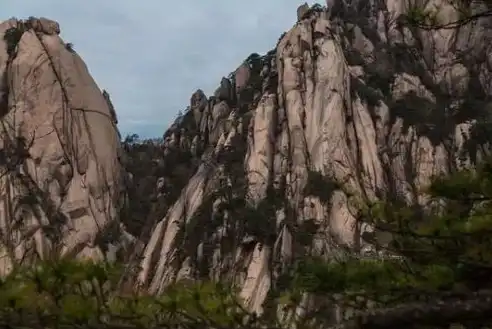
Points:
(349, 108)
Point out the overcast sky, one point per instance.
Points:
(152, 54)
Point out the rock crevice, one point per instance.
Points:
(69, 179)
(350, 107)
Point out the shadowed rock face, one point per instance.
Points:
(350, 107)
(61, 179)
(374, 107)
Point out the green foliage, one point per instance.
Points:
(253, 58)
(317, 7)
(320, 186)
(131, 139)
(306, 231)
(381, 281)
(260, 221)
(421, 114)
(418, 16)
(69, 293)
(442, 249)
(69, 47)
(12, 37)
(62, 291)
(366, 92)
(143, 159)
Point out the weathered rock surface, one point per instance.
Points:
(373, 106)
(350, 107)
(61, 180)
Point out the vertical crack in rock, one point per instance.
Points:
(350, 107)
(61, 178)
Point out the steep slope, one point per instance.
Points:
(350, 107)
(61, 180)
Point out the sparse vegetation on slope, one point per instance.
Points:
(438, 275)
(431, 263)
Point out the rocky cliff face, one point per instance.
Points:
(350, 107)
(61, 181)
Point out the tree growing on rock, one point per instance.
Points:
(469, 11)
(439, 272)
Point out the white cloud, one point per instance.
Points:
(151, 55)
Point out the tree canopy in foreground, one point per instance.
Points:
(438, 275)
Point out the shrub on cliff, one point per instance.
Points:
(67, 293)
(437, 273)
(438, 265)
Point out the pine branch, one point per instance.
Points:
(439, 312)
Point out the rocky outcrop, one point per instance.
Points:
(350, 107)
(61, 180)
